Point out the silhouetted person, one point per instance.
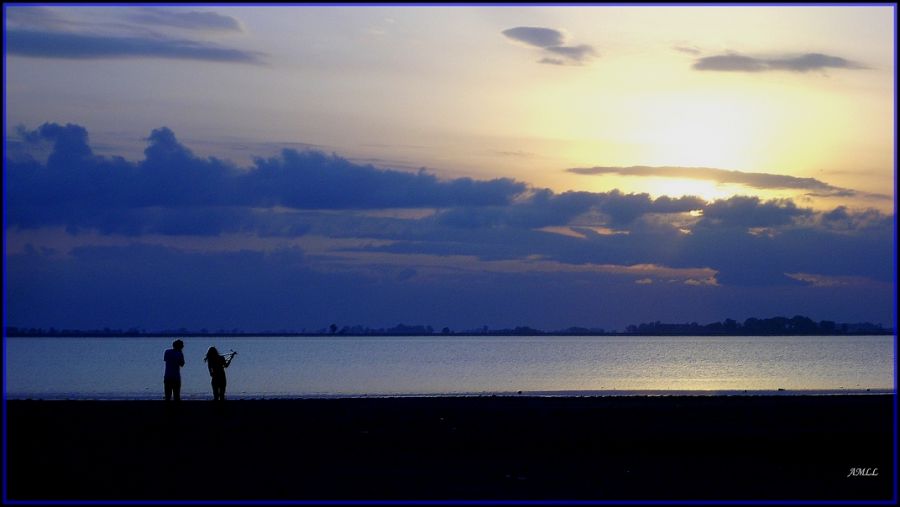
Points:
(174, 361)
(217, 364)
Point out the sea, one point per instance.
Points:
(336, 366)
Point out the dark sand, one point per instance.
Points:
(474, 448)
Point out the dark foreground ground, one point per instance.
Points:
(477, 448)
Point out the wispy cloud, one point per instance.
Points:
(32, 17)
(552, 61)
(38, 32)
(44, 44)
(578, 53)
(193, 20)
(691, 50)
(734, 62)
(817, 280)
(756, 180)
(552, 41)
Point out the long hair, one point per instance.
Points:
(211, 353)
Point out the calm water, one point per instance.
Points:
(293, 367)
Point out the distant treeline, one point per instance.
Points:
(798, 325)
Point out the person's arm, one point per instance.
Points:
(181, 360)
(228, 361)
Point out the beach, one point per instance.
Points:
(455, 448)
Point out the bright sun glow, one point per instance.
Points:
(701, 131)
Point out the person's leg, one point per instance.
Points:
(168, 388)
(176, 389)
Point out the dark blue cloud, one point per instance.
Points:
(764, 260)
(749, 242)
(312, 179)
(155, 287)
(70, 142)
(545, 208)
(625, 208)
(52, 44)
(751, 212)
(541, 209)
(78, 189)
(842, 219)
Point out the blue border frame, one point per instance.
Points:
(464, 502)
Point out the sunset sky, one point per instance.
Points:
(286, 167)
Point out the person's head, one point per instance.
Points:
(212, 352)
(178, 345)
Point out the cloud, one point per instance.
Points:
(32, 16)
(733, 62)
(751, 212)
(545, 208)
(843, 219)
(817, 280)
(288, 286)
(552, 61)
(577, 54)
(357, 222)
(691, 50)
(173, 191)
(48, 44)
(314, 180)
(756, 180)
(194, 20)
(287, 289)
(70, 142)
(552, 41)
(536, 36)
(79, 189)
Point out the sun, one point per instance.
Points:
(702, 132)
(679, 187)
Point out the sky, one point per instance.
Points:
(288, 167)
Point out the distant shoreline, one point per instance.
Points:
(797, 325)
(774, 326)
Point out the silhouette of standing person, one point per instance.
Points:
(174, 361)
(217, 364)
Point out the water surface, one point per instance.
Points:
(132, 368)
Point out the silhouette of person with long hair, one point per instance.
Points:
(217, 364)
(174, 359)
